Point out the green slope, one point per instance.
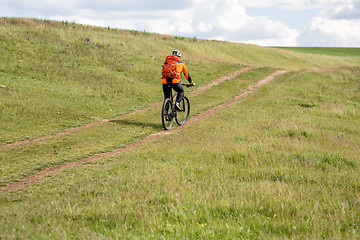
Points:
(330, 51)
(60, 74)
(281, 163)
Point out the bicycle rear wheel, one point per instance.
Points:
(166, 114)
(182, 115)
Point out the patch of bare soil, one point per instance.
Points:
(36, 178)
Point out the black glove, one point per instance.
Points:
(190, 81)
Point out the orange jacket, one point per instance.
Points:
(180, 68)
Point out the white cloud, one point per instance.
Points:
(204, 27)
(336, 25)
(324, 32)
(347, 10)
(33, 9)
(293, 4)
(221, 20)
(230, 22)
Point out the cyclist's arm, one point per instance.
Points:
(186, 73)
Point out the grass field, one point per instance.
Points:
(330, 51)
(282, 163)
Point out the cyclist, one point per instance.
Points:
(175, 82)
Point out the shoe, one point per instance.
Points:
(177, 106)
(168, 117)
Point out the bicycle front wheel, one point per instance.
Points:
(166, 114)
(182, 115)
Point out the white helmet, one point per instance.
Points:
(176, 53)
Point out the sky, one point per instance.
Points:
(299, 23)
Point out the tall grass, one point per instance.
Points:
(280, 163)
(117, 133)
(70, 75)
(61, 74)
(266, 167)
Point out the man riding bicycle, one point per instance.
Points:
(172, 69)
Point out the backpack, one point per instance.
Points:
(169, 67)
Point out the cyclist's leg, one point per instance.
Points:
(178, 87)
(166, 90)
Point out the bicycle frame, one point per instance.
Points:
(181, 116)
(171, 92)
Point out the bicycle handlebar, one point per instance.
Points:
(188, 85)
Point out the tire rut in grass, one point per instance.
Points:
(79, 128)
(36, 178)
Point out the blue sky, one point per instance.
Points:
(309, 23)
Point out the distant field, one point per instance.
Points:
(330, 51)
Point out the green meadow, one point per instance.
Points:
(330, 51)
(281, 163)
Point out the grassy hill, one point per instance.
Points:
(60, 74)
(330, 51)
(280, 163)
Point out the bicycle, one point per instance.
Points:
(169, 111)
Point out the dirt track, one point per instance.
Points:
(76, 129)
(36, 178)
